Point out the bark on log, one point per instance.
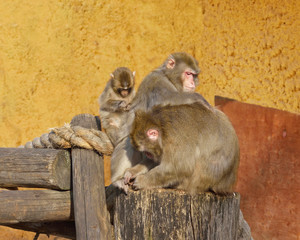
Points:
(35, 206)
(91, 215)
(65, 229)
(171, 214)
(46, 168)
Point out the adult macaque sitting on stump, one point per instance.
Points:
(191, 147)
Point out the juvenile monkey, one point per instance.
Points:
(172, 83)
(116, 118)
(195, 149)
(114, 103)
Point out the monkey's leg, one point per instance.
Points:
(226, 183)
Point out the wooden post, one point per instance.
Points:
(35, 206)
(91, 215)
(46, 168)
(171, 214)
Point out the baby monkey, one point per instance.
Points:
(115, 103)
(193, 149)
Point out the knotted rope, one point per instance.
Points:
(73, 136)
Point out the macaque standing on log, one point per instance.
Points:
(195, 149)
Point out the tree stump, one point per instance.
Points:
(173, 214)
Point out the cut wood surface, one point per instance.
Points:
(34, 206)
(91, 215)
(172, 214)
(46, 168)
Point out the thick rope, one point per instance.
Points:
(73, 136)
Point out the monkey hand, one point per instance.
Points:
(128, 107)
(122, 105)
(121, 185)
(139, 182)
(129, 177)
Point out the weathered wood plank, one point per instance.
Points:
(91, 215)
(171, 214)
(35, 206)
(65, 229)
(46, 168)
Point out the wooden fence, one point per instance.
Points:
(73, 203)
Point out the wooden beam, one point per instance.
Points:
(91, 215)
(35, 206)
(46, 168)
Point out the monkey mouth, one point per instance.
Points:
(149, 155)
(124, 93)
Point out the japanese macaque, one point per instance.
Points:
(194, 149)
(172, 83)
(178, 74)
(115, 103)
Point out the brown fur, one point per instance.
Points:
(162, 86)
(165, 85)
(197, 149)
(114, 107)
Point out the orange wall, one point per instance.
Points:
(56, 56)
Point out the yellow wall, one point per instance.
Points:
(56, 56)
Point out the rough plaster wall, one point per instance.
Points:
(250, 51)
(56, 56)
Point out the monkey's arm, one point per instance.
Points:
(131, 173)
(160, 176)
(185, 98)
(114, 106)
(141, 168)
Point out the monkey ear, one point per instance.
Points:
(112, 75)
(152, 134)
(133, 73)
(171, 62)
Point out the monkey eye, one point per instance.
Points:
(195, 75)
(191, 74)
